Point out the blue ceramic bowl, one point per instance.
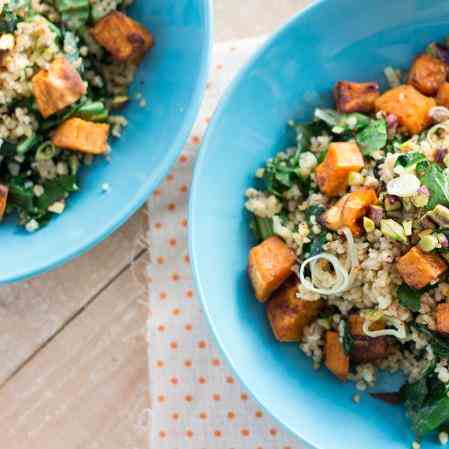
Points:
(172, 79)
(293, 73)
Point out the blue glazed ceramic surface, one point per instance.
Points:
(172, 79)
(292, 74)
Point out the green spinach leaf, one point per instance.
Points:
(348, 340)
(373, 137)
(409, 298)
(436, 180)
(440, 345)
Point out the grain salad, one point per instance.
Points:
(352, 224)
(65, 69)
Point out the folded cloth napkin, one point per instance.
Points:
(197, 403)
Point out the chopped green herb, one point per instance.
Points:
(409, 297)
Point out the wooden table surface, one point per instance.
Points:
(73, 371)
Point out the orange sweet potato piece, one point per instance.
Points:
(356, 325)
(341, 159)
(3, 199)
(58, 87)
(289, 315)
(270, 264)
(409, 105)
(80, 135)
(442, 318)
(443, 95)
(418, 269)
(336, 360)
(349, 210)
(367, 349)
(122, 36)
(427, 74)
(356, 97)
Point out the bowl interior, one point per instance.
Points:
(293, 74)
(171, 79)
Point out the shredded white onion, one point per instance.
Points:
(432, 136)
(400, 331)
(343, 279)
(341, 275)
(405, 185)
(439, 114)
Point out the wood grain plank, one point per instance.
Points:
(88, 387)
(32, 311)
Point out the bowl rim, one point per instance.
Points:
(147, 187)
(193, 205)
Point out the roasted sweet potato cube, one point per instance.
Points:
(3, 199)
(356, 97)
(427, 74)
(418, 269)
(122, 36)
(409, 105)
(442, 318)
(58, 87)
(341, 159)
(356, 207)
(80, 135)
(336, 360)
(367, 349)
(443, 95)
(349, 209)
(356, 325)
(270, 264)
(289, 315)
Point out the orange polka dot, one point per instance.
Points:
(216, 362)
(174, 381)
(186, 259)
(162, 434)
(203, 415)
(188, 327)
(196, 140)
(244, 432)
(172, 242)
(219, 66)
(207, 119)
(188, 398)
(217, 433)
(202, 344)
(183, 189)
(244, 397)
(176, 312)
(188, 363)
(160, 260)
(170, 177)
(171, 207)
(231, 415)
(161, 328)
(216, 397)
(183, 159)
(157, 192)
(189, 294)
(160, 364)
(184, 222)
(161, 398)
(175, 277)
(174, 345)
(287, 447)
(201, 380)
(162, 296)
(273, 432)
(175, 416)
(259, 414)
(189, 434)
(158, 225)
(229, 380)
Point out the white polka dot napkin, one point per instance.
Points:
(197, 403)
